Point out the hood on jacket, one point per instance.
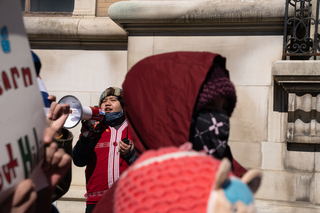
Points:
(160, 93)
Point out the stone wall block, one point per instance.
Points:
(139, 48)
(247, 154)
(247, 68)
(299, 157)
(277, 185)
(317, 187)
(304, 183)
(95, 97)
(272, 155)
(317, 158)
(312, 189)
(100, 70)
(249, 121)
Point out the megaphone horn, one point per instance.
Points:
(79, 112)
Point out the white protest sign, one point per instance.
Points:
(22, 120)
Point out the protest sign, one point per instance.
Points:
(22, 120)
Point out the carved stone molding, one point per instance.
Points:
(75, 33)
(301, 81)
(196, 17)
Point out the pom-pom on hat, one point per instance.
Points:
(115, 91)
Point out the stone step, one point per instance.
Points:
(267, 206)
(73, 201)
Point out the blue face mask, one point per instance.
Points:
(113, 117)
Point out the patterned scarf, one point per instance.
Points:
(210, 132)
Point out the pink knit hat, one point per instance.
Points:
(170, 180)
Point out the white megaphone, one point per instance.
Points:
(79, 112)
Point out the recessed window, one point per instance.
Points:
(60, 6)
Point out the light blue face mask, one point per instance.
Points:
(113, 117)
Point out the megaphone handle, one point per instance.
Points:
(83, 122)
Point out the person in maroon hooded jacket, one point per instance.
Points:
(177, 97)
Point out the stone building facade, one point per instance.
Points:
(275, 125)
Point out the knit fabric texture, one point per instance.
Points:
(217, 85)
(115, 91)
(165, 181)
